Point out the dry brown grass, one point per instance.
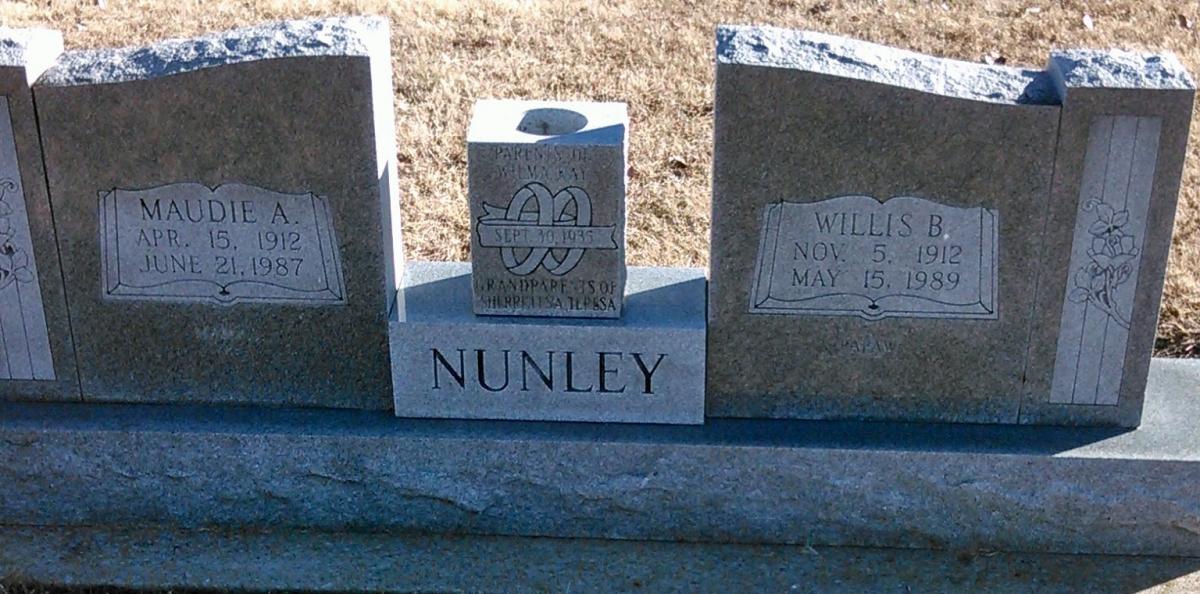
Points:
(657, 56)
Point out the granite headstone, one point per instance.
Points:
(226, 210)
(1122, 140)
(37, 357)
(876, 227)
(898, 236)
(546, 183)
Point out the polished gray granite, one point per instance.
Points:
(645, 367)
(906, 485)
(1167, 432)
(325, 562)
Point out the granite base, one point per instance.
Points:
(909, 485)
(307, 561)
(646, 367)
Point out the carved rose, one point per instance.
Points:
(1112, 256)
(14, 261)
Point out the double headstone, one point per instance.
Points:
(542, 325)
(227, 215)
(897, 236)
(894, 236)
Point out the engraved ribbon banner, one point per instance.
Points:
(187, 242)
(857, 256)
(549, 225)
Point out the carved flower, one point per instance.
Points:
(1091, 277)
(1107, 262)
(14, 262)
(1112, 254)
(1107, 219)
(1124, 272)
(1079, 295)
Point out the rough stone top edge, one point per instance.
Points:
(1119, 69)
(332, 36)
(33, 49)
(498, 120)
(832, 55)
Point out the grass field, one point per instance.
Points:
(657, 56)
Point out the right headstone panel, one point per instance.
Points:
(876, 230)
(37, 354)
(1122, 139)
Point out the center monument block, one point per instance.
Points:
(227, 214)
(646, 367)
(552, 333)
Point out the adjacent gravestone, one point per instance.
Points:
(227, 211)
(876, 217)
(897, 236)
(547, 193)
(1121, 146)
(647, 367)
(37, 358)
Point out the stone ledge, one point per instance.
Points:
(314, 561)
(911, 485)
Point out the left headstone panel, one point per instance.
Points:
(37, 357)
(225, 206)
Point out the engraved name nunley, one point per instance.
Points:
(857, 256)
(501, 370)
